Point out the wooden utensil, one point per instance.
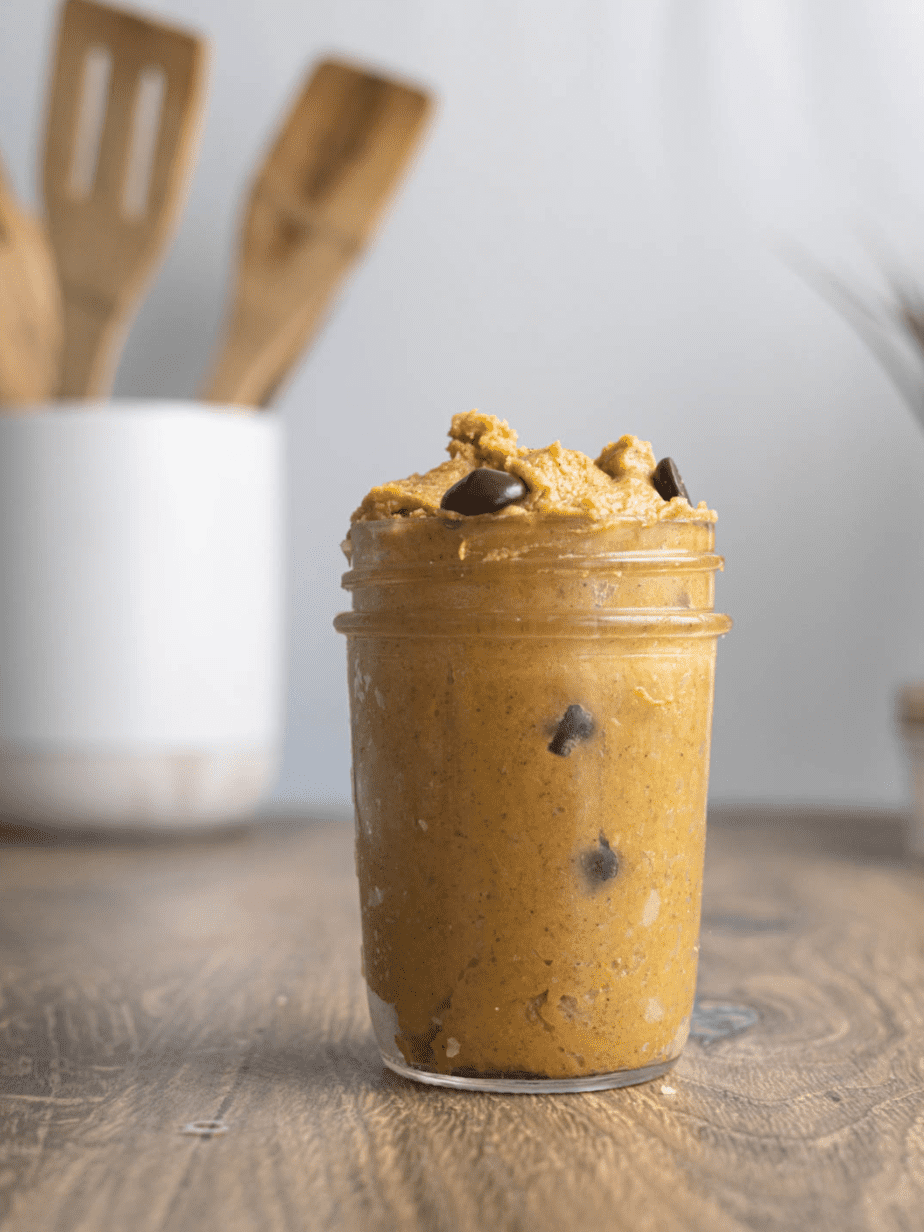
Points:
(30, 306)
(121, 133)
(325, 183)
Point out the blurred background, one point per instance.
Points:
(607, 231)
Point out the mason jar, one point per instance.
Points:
(531, 703)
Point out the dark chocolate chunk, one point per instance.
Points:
(600, 863)
(483, 491)
(576, 724)
(667, 481)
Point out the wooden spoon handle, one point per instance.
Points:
(259, 348)
(235, 379)
(90, 331)
(30, 306)
(109, 232)
(6, 206)
(321, 191)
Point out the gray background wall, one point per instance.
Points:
(597, 239)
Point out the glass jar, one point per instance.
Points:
(531, 703)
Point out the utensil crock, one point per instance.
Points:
(140, 614)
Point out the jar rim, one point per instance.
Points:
(433, 541)
(641, 623)
(638, 564)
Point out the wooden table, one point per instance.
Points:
(147, 987)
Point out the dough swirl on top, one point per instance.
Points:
(616, 487)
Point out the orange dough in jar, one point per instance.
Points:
(531, 697)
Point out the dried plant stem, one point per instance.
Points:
(894, 333)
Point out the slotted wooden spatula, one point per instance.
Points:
(30, 306)
(121, 133)
(332, 170)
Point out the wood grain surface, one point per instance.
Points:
(148, 987)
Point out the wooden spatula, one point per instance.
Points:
(121, 132)
(30, 306)
(325, 183)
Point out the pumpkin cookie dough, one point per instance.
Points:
(560, 482)
(531, 663)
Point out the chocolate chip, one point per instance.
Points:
(483, 491)
(600, 863)
(576, 724)
(667, 481)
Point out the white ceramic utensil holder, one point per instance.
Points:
(141, 589)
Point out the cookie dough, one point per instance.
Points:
(531, 699)
(561, 482)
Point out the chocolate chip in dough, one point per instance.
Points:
(600, 863)
(576, 724)
(483, 491)
(667, 481)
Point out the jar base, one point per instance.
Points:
(533, 1086)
